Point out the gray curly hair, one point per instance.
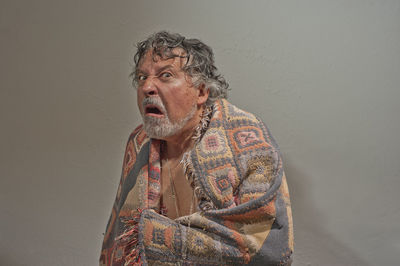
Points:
(199, 61)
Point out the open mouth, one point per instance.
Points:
(152, 110)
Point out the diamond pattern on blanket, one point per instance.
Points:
(213, 146)
(247, 138)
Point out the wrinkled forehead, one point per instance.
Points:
(159, 54)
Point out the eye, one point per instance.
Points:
(166, 75)
(141, 77)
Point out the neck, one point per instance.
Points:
(180, 143)
(175, 149)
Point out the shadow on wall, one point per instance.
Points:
(313, 244)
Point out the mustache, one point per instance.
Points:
(154, 101)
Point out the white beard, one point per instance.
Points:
(162, 127)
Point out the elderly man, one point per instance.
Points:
(202, 181)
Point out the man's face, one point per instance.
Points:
(167, 99)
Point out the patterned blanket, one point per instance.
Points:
(244, 213)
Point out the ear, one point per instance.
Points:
(202, 94)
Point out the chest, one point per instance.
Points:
(177, 195)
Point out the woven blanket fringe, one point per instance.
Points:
(129, 240)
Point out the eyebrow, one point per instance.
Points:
(157, 70)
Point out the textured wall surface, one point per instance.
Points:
(324, 75)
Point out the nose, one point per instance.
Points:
(149, 87)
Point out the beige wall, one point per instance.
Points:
(324, 75)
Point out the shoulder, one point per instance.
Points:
(135, 143)
(138, 138)
(232, 113)
(243, 125)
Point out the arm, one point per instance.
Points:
(259, 224)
